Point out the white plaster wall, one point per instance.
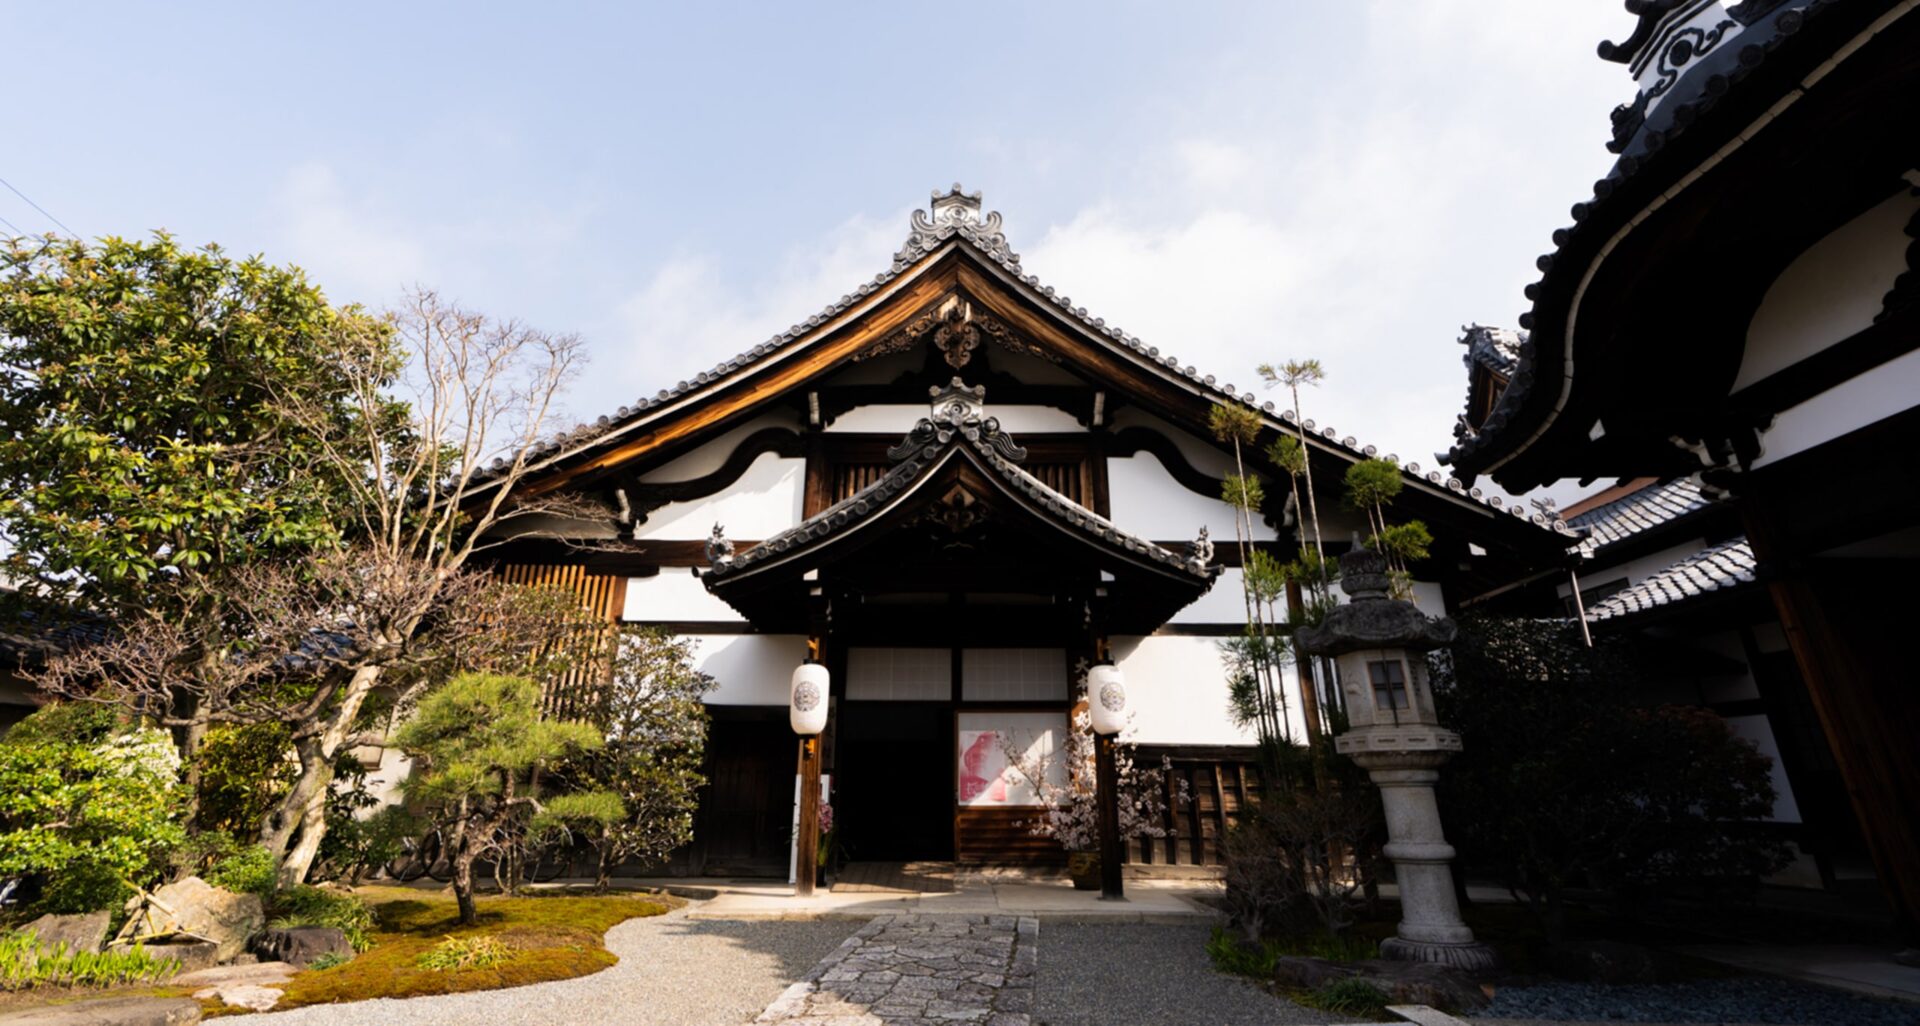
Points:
(1757, 730)
(1830, 292)
(1223, 604)
(1890, 388)
(898, 419)
(1634, 570)
(674, 594)
(1203, 454)
(765, 501)
(710, 457)
(752, 669)
(1148, 502)
(1177, 688)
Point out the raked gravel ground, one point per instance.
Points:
(673, 971)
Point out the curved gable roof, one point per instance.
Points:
(955, 228)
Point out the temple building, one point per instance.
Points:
(1728, 330)
(956, 487)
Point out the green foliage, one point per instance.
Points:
(1373, 482)
(140, 431)
(84, 723)
(1289, 455)
(355, 846)
(249, 871)
(1348, 997)
(634, 797)
(456, 953)
(1292, 374)
(327, 960)
(1242, 493)
(244, 772)
(1406, 542)
(1566, 781)
(304, 905)
(478, 732)
(480, 737)
(87, 814)
(1236, 424)
(27, 962)
(1231, 954)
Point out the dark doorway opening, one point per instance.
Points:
(744, 824)
(893, 781)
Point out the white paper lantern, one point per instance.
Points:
(807, 699)
(1107, 698)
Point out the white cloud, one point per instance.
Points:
(342, 242)
(691, 314)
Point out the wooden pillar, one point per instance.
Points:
(1309, 694)
(1107, 790)
(807, 846)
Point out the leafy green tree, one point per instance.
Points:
(636, 794)
(481, 744)
(145, 441)
(94, 817)
(1565, 781)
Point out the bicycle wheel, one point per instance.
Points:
(550, 865)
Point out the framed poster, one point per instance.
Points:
(998, 751)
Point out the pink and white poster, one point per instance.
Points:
(987, 779)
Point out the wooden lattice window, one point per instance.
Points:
(575, 694)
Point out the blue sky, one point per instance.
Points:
(1233, 183)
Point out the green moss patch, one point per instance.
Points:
(548, 938)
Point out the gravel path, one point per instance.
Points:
(1097, 974)
(1741, 1000)
(673, 971)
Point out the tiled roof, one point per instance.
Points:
(1717, 569)
(1631, 514)
(927, 447)
(1643, 142)
(956, 217)
(1496, 349)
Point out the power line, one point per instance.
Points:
(41, 209)
(13, 227)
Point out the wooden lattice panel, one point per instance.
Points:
(575, 693)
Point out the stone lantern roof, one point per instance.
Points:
(1372, 620)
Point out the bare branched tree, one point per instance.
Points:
(443, 435)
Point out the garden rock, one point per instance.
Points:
(191, 954)
(1423, 983)
(1602, 961)
(302, 944)
(243, 995)
(229, 920)
(260, 973)
(111, 1012)
(1302, 973)
(79, 933)
(1404, 983)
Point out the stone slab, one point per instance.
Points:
(110, 1012)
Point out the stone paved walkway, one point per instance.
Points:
(920, 971)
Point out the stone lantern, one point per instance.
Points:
(1378, 645)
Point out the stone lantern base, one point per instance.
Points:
(1405, 764)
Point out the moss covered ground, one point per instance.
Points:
(551, 937)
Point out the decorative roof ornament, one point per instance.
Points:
(955, 212)
(719, 549)
(957, 410)
(1200, 550)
